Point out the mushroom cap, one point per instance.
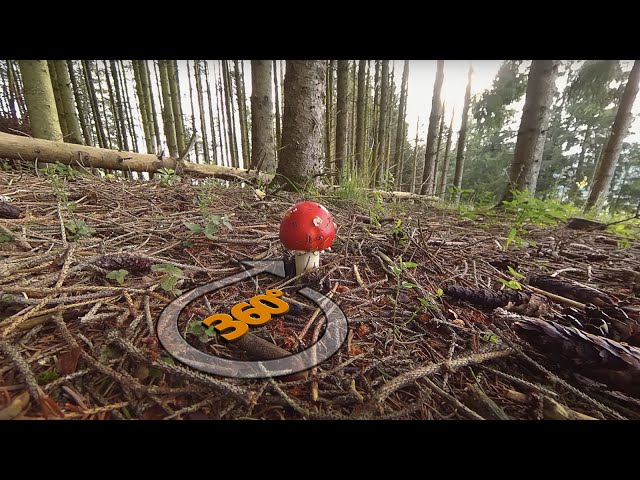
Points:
(307, 226)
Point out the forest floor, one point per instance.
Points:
(75, 343)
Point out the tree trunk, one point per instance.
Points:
(193, 113)
(107, 130)
(211, 118)
(381, 149)
(30, 149)
(573, 191)
(442, 183)
(12, 89)
(303, 122)
(231, 131)
(532, 133)
(375, 122)
(277, 102)
(341, 120)
(352, 126)
(223, 118)
(415, 159)
(120, 133)
(263, 155)
(360, 117)
(242, 114)
(203, 119)
(41, 105)
(66, 98)
(144, 112)
(438, 150)
(398, 158)
(124, 88)
(176, 105)
(58, 100)
(607, 165)
(329, 160)
(167, 109)
(428, 174)
(391, 103)
(462, 137)
(221, 121)
(152, 104)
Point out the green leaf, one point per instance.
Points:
(512, 235)
(211, 331)
(210, 229)
(409, 264)
(514, 273)
(425, 302)
(439, 293)
(167, 268)
(168, 282)
(194, 227)
(197, 328)
(187, 243)
(227, 223)
(511, 284)
(396, 270)
(118, 275)
(408, 285)
(5, 238)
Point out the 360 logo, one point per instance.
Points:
(256, 312)
(253, 312)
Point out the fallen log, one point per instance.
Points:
(15, 147)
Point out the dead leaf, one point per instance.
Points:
(15, 407)
(68, 361)
(155, 412)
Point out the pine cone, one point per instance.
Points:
(124, 261)
(602, 359)
(571, 290)
(9, 211)
(486, 298)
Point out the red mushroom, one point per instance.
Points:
(308, 229)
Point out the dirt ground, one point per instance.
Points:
(438, 338)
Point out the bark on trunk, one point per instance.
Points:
(203, 119)
(301, 161)
(381, 148)
(462, 137)
(607, 165)
(341, 119)
(242, 114)
(263, 155)
(66, 98)
(442, 183)
(146, 121)
(428, 174)
(277, 102)
(398, 158)
(167, 109)
(30, 149)
(176, 104)
(532, 133)
(211, 117)
(360, 120)
(41, 105)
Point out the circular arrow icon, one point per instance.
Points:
(333, 338)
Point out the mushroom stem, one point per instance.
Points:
(307, 261)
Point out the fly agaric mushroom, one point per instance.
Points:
(308, 229)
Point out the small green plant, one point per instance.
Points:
(78, 228)
(118, 275)
(60, 170)
(213, 224)
(204, 334)
(490, 337)
(512, 283)
(5, 238)
(47, 376)
(170, 279)
(525, 210)
(168, 177)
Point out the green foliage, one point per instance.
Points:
(118, 275)
(78, 228)
(168, 177)
(525, 210)
(490, 337)
(5, 238)
(514, 284)
(204, 334)
(60, 170)
(47, 376)
(212, 225)
(169, 281)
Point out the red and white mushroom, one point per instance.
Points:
(308, 229)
